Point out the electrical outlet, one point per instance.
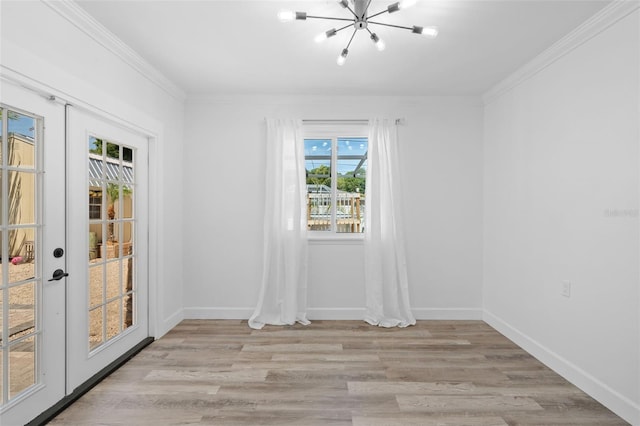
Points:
(566, 288)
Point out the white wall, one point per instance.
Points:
(561, 204)
(42, 48)
(441, 157)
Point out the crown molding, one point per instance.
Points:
(608, 16)
(86, 23)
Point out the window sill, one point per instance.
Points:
(320, 238)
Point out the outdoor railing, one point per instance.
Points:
(349, 212)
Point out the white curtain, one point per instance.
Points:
(386, 283)
(283, 295)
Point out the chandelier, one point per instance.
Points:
(361, 20)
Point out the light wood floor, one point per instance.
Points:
(453, 373)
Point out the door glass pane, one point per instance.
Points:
(1, 328)
(22, 188)
(127, 202)
(22, 314)
(128, 292)
(2, 115)
(22, 254)
(96, 287)
(96, 337)
(111, 239)
(22, 365)
(114, 316)
(113, 279)
(21, 131)
(19, 242)
(113, 150)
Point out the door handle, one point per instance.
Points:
(58, 274)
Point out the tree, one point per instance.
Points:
(113, 150)
(319, 176)
(353, 182)
(113, 192)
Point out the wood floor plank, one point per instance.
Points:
(445, 373)
(466, 403)
(410, 388)
(292, 347)
(422, 421)
(207, 376)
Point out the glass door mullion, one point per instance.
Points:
(4, 354)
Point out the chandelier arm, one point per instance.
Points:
(345, 27)
(329, 18)
(391, 25)
(351, 39)
(377, 14)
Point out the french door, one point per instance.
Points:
(32, 253)
(108, 243)
(66, 312)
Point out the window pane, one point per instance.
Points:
(1, 328)
(96, 286)
(21, 131)
(114, 316)
(113, 150)
(96, 337)
(22, 310)
(22, 265)
(351, 184)
(318, 170)
(22, 366)
(22, 198)
(1, 133)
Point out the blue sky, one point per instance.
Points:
(21, 124)
(346, 146)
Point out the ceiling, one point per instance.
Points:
(240, 47)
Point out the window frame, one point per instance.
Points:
(334, 131)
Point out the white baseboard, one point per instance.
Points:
(447, 314)
(218, 313)
(418, 313)
(608, 397)
(168, 323)
(337, 313)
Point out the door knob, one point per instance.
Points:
(58, 274)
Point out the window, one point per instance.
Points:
(336, 180)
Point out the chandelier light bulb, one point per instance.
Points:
(323, 36)
(343, 57)
(430, 32)
(286, 15)
(343, 3)
(379, 43)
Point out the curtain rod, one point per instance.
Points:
(398, 121)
